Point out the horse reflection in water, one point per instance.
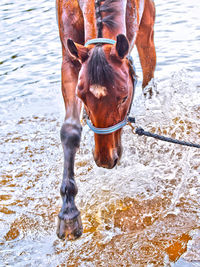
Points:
(97, 74)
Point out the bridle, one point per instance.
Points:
(127, 119)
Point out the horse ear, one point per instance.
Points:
(122, 46)
(77, 50)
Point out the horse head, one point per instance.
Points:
(105, 85)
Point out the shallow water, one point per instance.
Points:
(145, 212)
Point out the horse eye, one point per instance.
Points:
(80, 87)
(124, 99)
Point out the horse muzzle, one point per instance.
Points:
(108, 159)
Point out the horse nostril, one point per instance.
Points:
(115, 162)
(61, 236)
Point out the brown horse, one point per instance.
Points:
(98, 74)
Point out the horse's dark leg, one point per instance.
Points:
(69, 220)
(145, 42)
(69, 225)
(70, 23)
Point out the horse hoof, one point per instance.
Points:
(69, 229)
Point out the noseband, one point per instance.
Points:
(127, 119)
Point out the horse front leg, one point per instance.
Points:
(145, 43)
(69, 219)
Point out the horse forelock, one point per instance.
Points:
(100, 72)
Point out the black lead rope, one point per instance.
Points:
(140, 131)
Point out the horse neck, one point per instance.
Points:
(118, 19)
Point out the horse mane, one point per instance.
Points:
(99, 70)
(110, 10)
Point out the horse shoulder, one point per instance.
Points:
(70, 20)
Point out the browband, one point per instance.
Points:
(100, 41)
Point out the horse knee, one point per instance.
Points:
(70, 135)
